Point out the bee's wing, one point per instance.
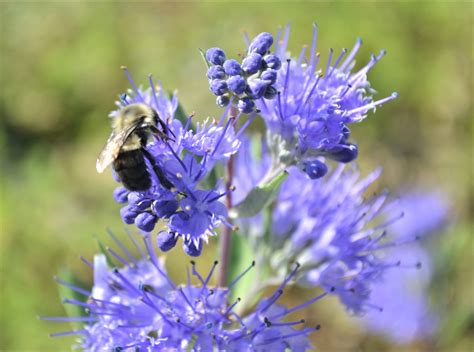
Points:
(112, 148)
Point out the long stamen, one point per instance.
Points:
(154, 260)
(372, 105)
(343, 52)
(210, 273)
(122, 247)
(352, 54)
(153, 91)
(302, 53)
(232, 306)
(88, 263)
(231, 189)
(309, 94)
(69, 333)
(136, 244)
(229, 121)
(272, 300)
(130, 79)
(69, 319)
(286, 86)
(301, 306)
(119, 257)
(72, 287)
(241, 275)
(331, 51)
(313, 46)
(248, 122)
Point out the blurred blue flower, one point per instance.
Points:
(315, 106)
(139, 306)
(330, 227)
(403, 294)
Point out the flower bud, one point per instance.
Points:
(270, 93)
(222, 101)
(121, 195)
(218, 87)
(216, 72)
(146, 221)
(165, 208)
(272, 61)
(252, 63)
(232, 67)
(343, 153)
(269, 75)
(315, 169)
(236, 84)
(166, 240)
(246, 105)
(128, 215)
(215, 56)
(261, 43)
(257, 87)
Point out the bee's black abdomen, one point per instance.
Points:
(131, 168)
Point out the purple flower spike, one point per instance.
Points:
(318, 101)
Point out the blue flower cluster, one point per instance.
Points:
(244, 83)
(315, 106)
(326, 235)
(329, 226)
(139, 307)
(184, 162)
(424, 215)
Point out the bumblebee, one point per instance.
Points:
(133, 128)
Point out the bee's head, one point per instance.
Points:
(146, 115)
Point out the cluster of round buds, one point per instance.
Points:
(243, 83)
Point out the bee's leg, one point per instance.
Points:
(162, 134)
(158, 172)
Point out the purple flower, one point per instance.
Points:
(315, 107)
(140, 307)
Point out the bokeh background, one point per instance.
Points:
(60, 76)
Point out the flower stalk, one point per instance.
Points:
(226, 238)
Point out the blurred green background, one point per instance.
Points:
(60, 76)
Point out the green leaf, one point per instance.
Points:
(72, 310)
(203, 55)
(241, 257)
(258, 198)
